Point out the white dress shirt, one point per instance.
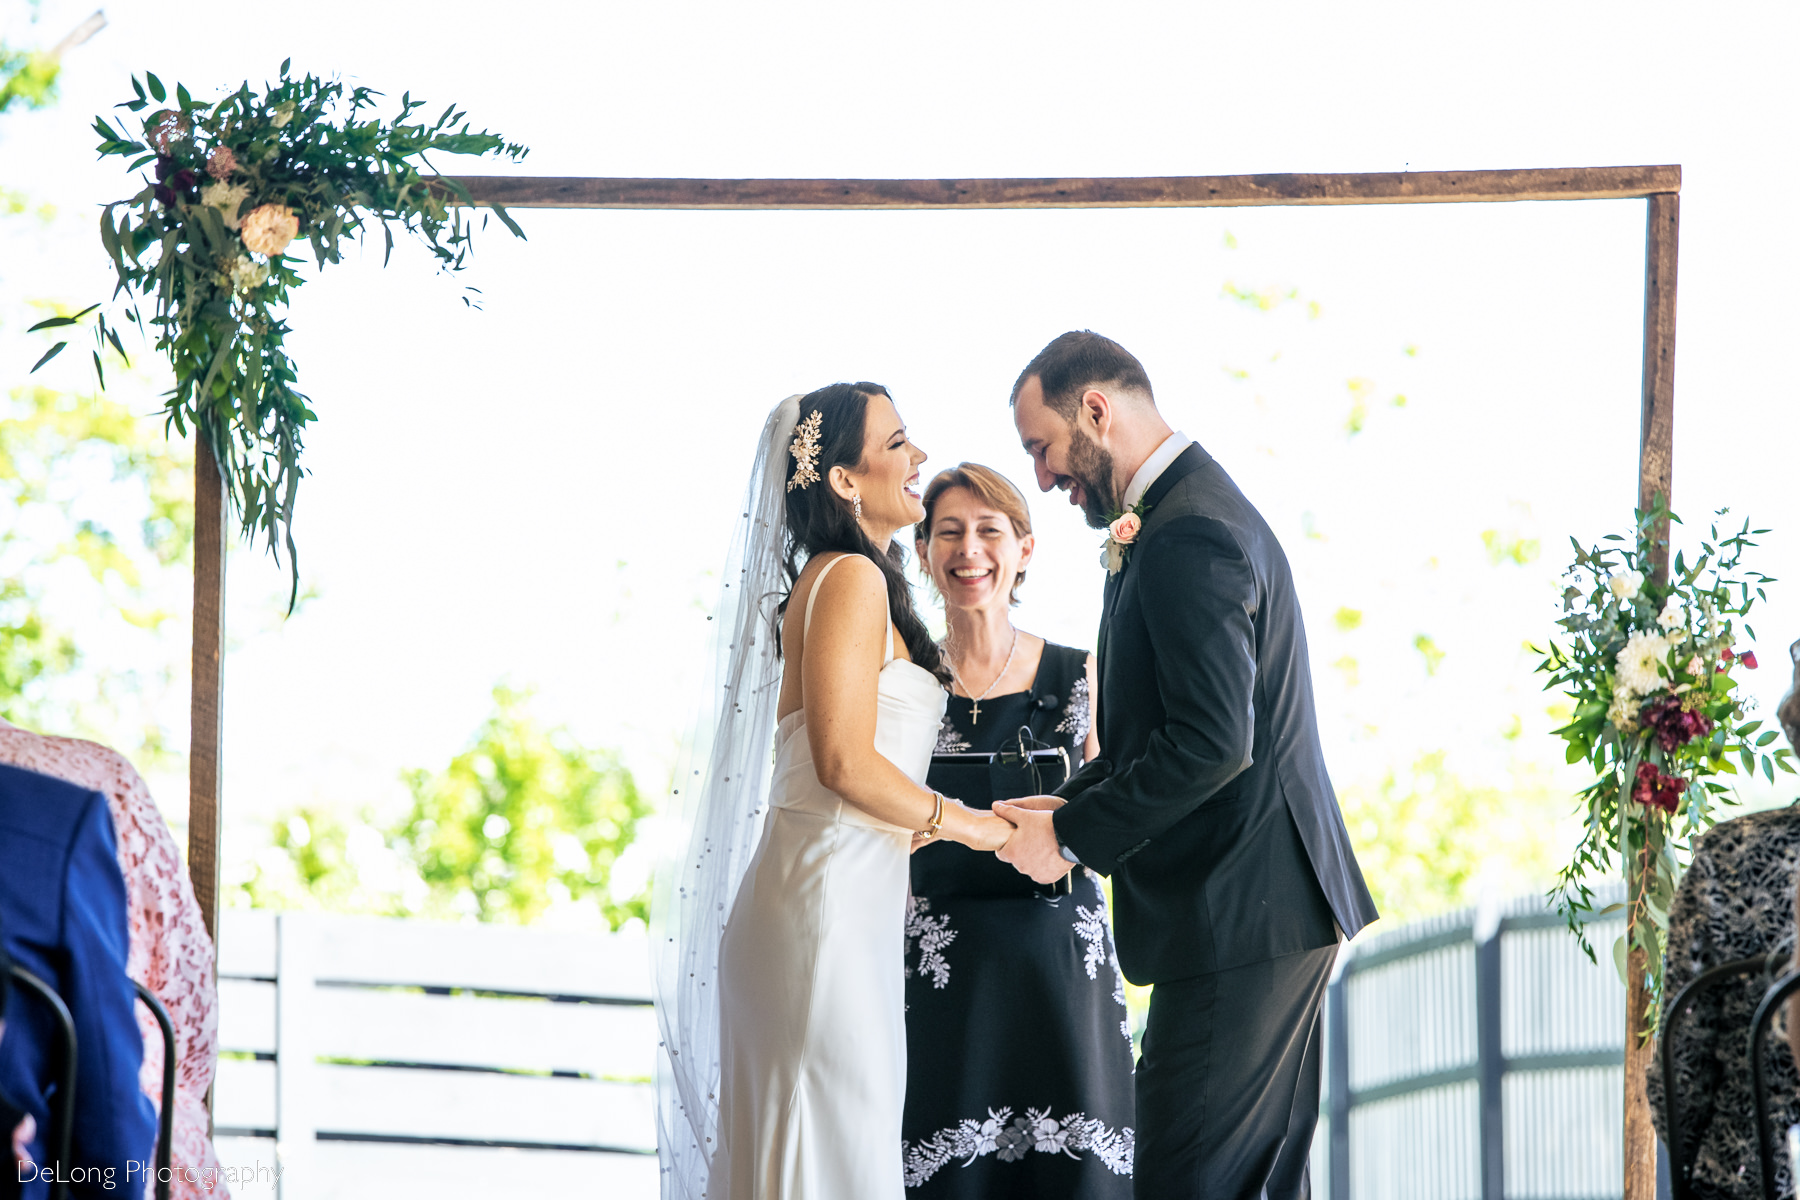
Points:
(1154, 466)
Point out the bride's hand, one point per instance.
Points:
(982, 830)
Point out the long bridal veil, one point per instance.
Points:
(712, 820)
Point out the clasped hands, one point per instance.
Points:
(1022, 834)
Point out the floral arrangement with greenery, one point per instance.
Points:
(1650, 661)
(236, 182)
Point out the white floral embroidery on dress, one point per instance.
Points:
(931, 935)
(1011, 1138)
(1090, 927)
(949, 740)
(1077, 713)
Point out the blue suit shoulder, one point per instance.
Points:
(63, 904)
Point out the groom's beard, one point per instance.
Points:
(1092, 468)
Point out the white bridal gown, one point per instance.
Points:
(813, 1029)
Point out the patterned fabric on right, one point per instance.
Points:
(1735, 901)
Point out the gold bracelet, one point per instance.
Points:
(937, 819)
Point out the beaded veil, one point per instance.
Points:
(713, 819)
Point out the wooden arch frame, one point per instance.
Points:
(1660, 186)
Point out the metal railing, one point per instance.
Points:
(1475, 1056)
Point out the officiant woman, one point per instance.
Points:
(1019, 1054)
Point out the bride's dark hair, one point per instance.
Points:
(820, 521)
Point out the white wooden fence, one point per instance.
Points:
(369, 1057)
(365, 1057)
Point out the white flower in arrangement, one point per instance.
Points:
(1623, 712)
(1638, 663)
(1673, 616)
(227, 198)
(268, 228)
(246, 274)
(1625, 585)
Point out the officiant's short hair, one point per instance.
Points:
(1077, 361)
(986, 485)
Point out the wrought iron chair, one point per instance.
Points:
(1679, 1184)
(1772, 1001)
(59, 1137)
(165, 1121)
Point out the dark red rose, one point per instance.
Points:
(166, 196)
(1675, 726)
(165, 167)
(1653, 789)
(1726, 654)
(1748, 658)
(182, 180)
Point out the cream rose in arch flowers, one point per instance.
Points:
(1648, 660)
(268, 228)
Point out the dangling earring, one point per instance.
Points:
(856, 506)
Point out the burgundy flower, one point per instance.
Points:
(182, 180)
(1675, 726)
(1656, 790)
(165, 167)
(1726, 654)
(1748, 658)
(165, 196)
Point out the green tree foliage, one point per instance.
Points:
(524, 821)
(318, 860)
(1429, 841)
(27, 79)
(96, 539)
(96, 515)
(522, 818)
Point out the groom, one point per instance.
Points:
(1210, 808)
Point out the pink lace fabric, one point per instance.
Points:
(170, 952)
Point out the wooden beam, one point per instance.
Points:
(206, 743)
(1656, 438)
(1178, 191)
(1656, 458)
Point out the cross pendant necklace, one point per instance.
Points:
(975, 709)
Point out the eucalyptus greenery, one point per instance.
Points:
(234, 182)
(1649, 660)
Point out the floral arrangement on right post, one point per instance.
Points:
(1649, 658)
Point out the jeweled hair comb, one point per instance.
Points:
(805, 449)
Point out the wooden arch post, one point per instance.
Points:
(1659, 185)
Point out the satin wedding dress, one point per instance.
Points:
(811, 984)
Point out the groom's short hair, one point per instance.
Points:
(1077, 361)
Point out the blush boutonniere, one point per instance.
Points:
(1121, 535)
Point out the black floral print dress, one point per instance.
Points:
(1019, 1057)
(1735, 901)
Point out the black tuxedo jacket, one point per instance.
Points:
(1210, 806)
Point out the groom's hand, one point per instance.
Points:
(1038, 803)
(1033, 850)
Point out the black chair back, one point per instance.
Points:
(165, 1122)
(1679, 1186)
(1772, 1001)
(60, 1136)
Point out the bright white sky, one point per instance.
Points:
(535, 492)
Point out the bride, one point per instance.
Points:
(784, 1066)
